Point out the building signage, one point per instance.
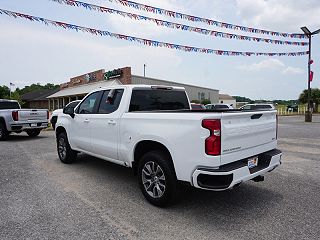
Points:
(90, 77)
(113, 74)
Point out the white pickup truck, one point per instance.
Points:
(15, 119)
(153, 130)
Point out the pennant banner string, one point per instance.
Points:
(143, 41)
(191, 18)
(168, 24)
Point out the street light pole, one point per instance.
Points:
(308, 116)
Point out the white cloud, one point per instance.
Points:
(284, 15)
(292, 70)
(271, 64)
(268, 64)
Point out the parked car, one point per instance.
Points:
(152, 130)
(56, 113)
(197, 106)
(292, 108)
(15, 119)
(218, 106)
(258, 106)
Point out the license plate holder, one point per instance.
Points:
(33, 125)
(253, 162)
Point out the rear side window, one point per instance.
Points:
(158, 99)
(109, 105)
(9, 105)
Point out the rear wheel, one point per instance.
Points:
(33, 132)
(3, 132)
(157, 179)
(66, 154)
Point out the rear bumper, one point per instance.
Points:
(25, 126)
(235, 173)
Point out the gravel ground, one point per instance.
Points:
(42, 198)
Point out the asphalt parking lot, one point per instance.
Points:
(42, 198)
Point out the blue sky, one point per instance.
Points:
(35, 53)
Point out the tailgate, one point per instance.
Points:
(245, 134)
(32, 114)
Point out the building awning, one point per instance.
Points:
(83, 89)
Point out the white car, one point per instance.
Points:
(152, 130)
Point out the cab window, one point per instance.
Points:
(88, 106)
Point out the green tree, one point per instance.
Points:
(35, 87)
(205, 101)
(4, 91)
(241, 99)
(16, 96)
(315, 97)
(195, 101)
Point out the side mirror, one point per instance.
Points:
(69, 111)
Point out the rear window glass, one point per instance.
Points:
(9, 105)
(158, 99)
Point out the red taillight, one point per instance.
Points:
(15, 116)
(213, 142)
(47, 114)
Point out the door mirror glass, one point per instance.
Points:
(69, 111)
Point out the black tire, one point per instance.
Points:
(33, 132)
(158, 185)
(65, 153)
(3, 131)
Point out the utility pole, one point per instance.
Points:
(144, 70)
(308, 115)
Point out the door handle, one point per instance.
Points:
(86, 120)
(112, 122)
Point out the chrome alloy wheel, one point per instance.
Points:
(153, 179)
(62, 148)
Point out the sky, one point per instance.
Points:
(36, 53)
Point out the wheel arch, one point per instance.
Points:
(146, 146)
(2, 120)
(60, 130)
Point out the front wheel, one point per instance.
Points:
(157, 179)
(33, 132)
(66, 154)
